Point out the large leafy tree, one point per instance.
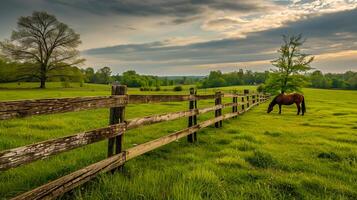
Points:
(45, 42)
(288, 75)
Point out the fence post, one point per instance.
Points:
(246, 93)
(195, 119)
(218, 112)
(243, 104)
(117, 115)
(192, 120)
(235, 100)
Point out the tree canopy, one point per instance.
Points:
(47, 45)
(289, 67)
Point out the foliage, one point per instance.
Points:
(11, 71)
(132, 79)
(177, 88)
(287, 76)
(261, 88)
(347, 80)
(49, 45)
(219, 79)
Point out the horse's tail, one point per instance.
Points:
(303, 105)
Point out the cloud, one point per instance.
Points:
(241, 24)
(332, 32)
(179, 11)
(191, 36)
(160, 7)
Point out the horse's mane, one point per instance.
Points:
(273, 101)
(276, 97)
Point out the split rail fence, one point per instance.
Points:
(15, 157)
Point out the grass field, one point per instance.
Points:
(255, 156)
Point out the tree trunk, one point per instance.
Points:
(43, 77)
(43, 83)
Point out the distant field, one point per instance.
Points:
(12, 91)
(256, 156)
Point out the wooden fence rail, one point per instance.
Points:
(114, 132)
(25, 108)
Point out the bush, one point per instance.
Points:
(261, 88)
(178, 88)
(157, 88)
(145, 89)
(66, 84)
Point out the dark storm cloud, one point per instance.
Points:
(322, 32)
(180, 8)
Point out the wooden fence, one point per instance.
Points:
(114, 132)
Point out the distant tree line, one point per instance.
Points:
(132, 79)
(11, 71)
(219, 79)
(347, 80)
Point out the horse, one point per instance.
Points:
(288, 99)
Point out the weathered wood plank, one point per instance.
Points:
(61, 185)
(26, 154)
(136, 99)
(66, 183)
(24, 108)
(133, 123)
(133, 98)
(13, 109)
(22, 155)
(148, 146)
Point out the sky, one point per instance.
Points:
(193, 37)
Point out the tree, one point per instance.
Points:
(47, 43)
(352, 81)
(317, 79)
(103, 75)
(287, 76)
(214, 79)
(88, 74)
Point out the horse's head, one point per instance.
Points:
(271, 106)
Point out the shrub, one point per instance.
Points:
(178, 88)
(261, 88)
(145, 89)
(66, 84)
(157, 88)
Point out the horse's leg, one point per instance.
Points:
(279, 108)
(298, 108)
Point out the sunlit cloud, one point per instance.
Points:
(241, 24)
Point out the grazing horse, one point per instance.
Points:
(288, 99)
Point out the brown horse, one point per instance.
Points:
(288, 99)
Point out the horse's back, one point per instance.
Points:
(288, 99)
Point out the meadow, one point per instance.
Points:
(254, 156)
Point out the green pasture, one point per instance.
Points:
(255, 156)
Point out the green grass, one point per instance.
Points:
(13, 91)
(255, 156)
